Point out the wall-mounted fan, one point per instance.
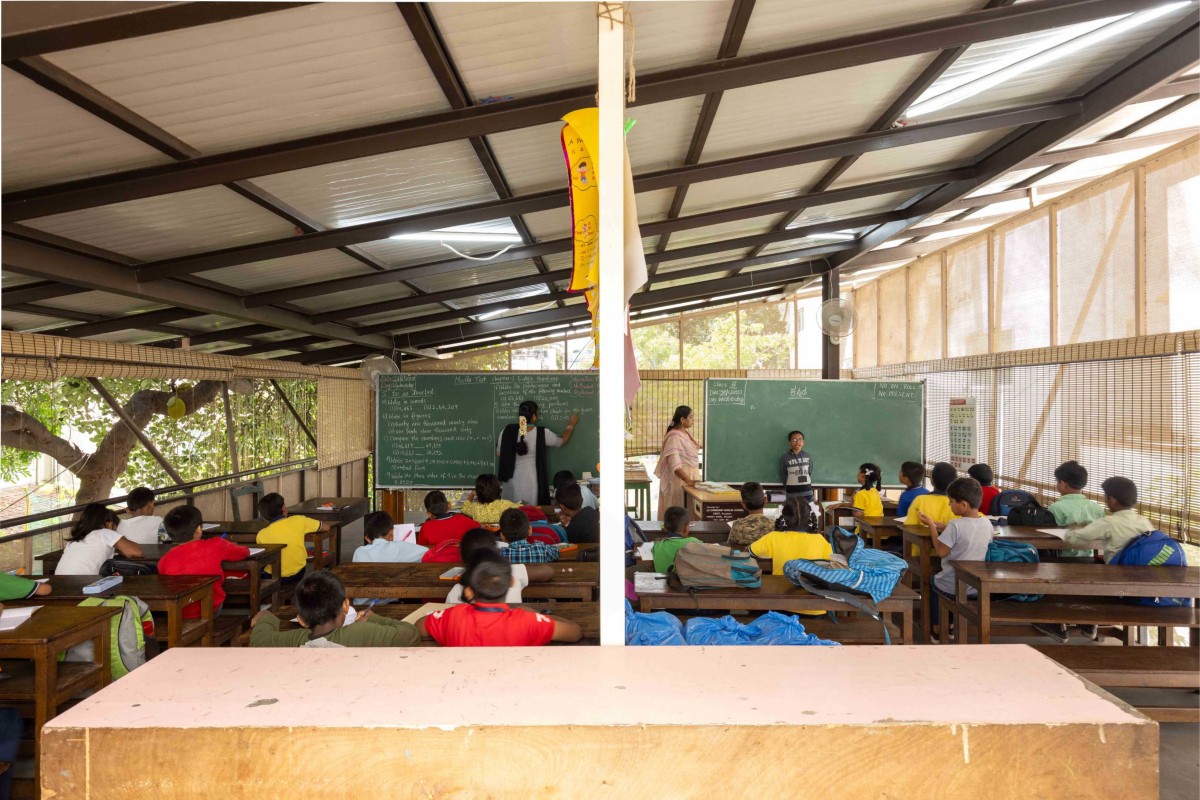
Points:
(376, 365)
(836, 319)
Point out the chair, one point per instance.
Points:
(1009, 499)
(254, 488)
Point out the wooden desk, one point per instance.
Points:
(586, 615)
(322, 542)
(977, 715)
(637, 480)
(164, 594)
(345, 509)
(1087, 580)
(777, 594)
(573, 580)
(254, 587)
(50, 631)
(702, 505)
(923, 565)
(713, 531)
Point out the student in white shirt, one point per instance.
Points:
(964, 538)
(93, 541)
(142, 526)
(566, 478)
(522, 574)
(379, 534)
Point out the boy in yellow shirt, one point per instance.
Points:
(287, 531)
(935, 505)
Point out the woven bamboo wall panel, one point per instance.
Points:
(925, 303)
(967, 298)
(893, 317)
(1172, 241)
(1021, 284)
(866, 332)
(345, 421)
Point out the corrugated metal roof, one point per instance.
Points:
(757, 187)
(1114, 122)
(715, 233)
(388, 185)
(9, 280)
(811, 108)
(1061, 77)
(20, 321)
(389, 316)
(898, 162)
(516, 49)
(102, 303)
(48, 139)
(170, 225)
(290, 271)
(483, 273)
(775, 24)
(354, 297)
(667, 267)
(132, 336)
(267, 78)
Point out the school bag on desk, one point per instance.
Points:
(1031, 515)
(1153, 549)
(856, 575)
(710, 566)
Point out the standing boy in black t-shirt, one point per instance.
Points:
(795, 468)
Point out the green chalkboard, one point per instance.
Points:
(845, 423)
(441, 430)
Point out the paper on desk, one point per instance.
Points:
(649, 582)
(41, 580)
(1061, 533)
(645, 551)
(406, 532)
(208, 526)
(256, 550)
(12, 618)
(425, 611)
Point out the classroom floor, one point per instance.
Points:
(1179, 761)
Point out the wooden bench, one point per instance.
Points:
(1136, 667)
(227, 628)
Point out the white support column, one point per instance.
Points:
(611, 67)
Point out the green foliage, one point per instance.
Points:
(196, 445)
(657, 346)
(710, 341)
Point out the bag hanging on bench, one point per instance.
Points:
(1014, 553)
(1154, 549)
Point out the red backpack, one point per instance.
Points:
(445, 552)
(540, 533)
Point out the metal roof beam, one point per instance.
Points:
(722, 74)
(36, 28)
(33, 292)
(41, 261)
(146, 321)
(1157, 61)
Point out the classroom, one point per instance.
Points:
(325, 334)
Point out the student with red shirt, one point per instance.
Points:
(442, 526)
(485, 620)
(983, 474)
(195, 556)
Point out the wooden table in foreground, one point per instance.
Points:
(988, 721)
(164, 594)
(776, 594)
(573, 580)
(254, 587)
(1084, 580)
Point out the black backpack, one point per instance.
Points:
(1031, 515)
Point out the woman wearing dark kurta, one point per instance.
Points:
(678, 461)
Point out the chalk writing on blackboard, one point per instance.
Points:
(798, 393)
(726, 393)
(898, 391)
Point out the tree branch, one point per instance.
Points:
(25, 432)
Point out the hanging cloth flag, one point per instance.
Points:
(581, 145)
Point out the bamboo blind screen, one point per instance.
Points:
(345, 421)
(925, 308)
(893, 318)
(967, 298)
(1021, 284)
(1172, 240)
(866, 332)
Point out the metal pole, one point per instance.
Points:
(830, 351)
(233, 452)
(129, 423)
(291, 408)
(611, 69)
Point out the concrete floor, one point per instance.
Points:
(1179, 761)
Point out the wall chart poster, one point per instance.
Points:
(964, 445)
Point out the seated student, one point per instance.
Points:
(867, 499)
(485, 620)
(321, 607)
(935, 505)
(522, 574)
(193, 555)
(287, 531)
(797, 540)
(1073, 509)
(442, 525)
(964, 538)
(514, 527)
(485, 505)
(754, 525)
(14, 587)
(142, 526)
(381, 546)
(567, 478)
(984, 475)
(912, 475)
(94, 539)
(582, 523)
(675, 525)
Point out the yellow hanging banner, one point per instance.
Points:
(581, 144)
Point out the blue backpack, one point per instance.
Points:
(1015, 553)
(1154, 549)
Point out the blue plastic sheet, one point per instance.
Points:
(723, 631)
(781, 629)
(659, 628)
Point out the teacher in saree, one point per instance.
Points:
(678, 460)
